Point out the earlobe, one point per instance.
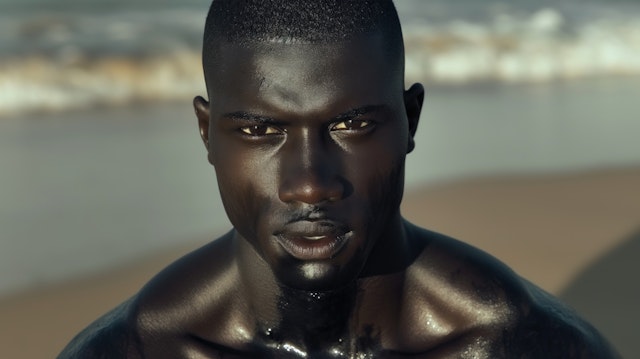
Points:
(413, 99)
(201, 108)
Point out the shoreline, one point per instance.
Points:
(548, 228)
(148, 97)
(84, 190)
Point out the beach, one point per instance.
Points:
(544, 177)
(85, 191)
(527, 148)
(549, 229)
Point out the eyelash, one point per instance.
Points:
(251, 130)
(270, 130)
(346, 124)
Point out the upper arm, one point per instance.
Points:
(552, 330)
(557, 343)
(110, 337)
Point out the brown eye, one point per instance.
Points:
(260, 130)
(350, 125)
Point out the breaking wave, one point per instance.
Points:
(123, 68)
(537, 49)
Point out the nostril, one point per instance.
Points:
(311, 189)
(309, 171)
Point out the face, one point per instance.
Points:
(308, 142)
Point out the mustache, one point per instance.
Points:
(307, 213)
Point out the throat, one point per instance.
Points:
(312, 320)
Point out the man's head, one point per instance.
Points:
(308, 127)
(323, 21)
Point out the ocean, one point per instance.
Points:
(66, 54)
(100, 161)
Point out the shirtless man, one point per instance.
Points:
(307, 126)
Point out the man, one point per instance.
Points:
(307, 127)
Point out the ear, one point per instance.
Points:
(201, 107)
(413, 99)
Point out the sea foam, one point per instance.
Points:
(113, 60)
(540, 48)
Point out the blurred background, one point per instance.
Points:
(527, 148)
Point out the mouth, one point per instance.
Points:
(308, 240)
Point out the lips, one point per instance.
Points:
(313, 240)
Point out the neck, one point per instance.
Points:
(311, 321)
(393, 252)
(314, 319)
(308, 320)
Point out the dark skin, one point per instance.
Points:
(308, 142)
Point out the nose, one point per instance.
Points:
(310, 172)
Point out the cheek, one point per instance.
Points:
(378, 169)
(246, 184)
(237, 201)
(387, 188)
(378, 181)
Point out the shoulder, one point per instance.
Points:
(195, 304)
(109, 337)
(550, 329)
(447, 266)
(167, 314)
(517, 318)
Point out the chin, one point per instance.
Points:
(316, 277)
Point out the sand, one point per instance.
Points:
(549, 229)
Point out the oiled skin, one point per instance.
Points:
(454, 302)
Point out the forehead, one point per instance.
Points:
(303, 77)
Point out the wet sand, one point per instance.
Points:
(550, 229)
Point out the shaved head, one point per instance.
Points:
(308, 21)
(254, 22)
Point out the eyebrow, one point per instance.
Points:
(359, 112)
(248, 116)
(355, 112)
